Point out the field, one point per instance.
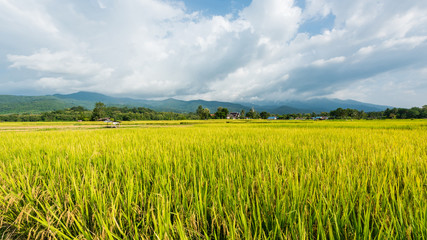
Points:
(214, 180)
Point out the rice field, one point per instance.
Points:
(214, 180)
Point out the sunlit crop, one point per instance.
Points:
(214, 180)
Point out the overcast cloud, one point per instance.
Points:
(372, 51)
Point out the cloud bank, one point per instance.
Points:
(372, 51)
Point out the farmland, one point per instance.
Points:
(214, 180)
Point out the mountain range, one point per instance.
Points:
(36, 104)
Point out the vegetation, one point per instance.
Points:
(31, 105)
(395, 113)
(140, 113)
(217, 180)
(221, 113)
(10, 104)
(203, 113)
(252, 114)
(100, 111)
(339, 113)
(264, 115)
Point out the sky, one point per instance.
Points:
(254, 51)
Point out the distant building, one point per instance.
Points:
(272, 118)
(104, 119)
(233, 115)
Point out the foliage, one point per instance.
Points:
(221, 113)
(140, 113)
(30, 105)
(264, 115)
(242, 114)
(252, 114)
(99, 111)
(10, 104)
(395, 113)
(204, 113)
(81, 113)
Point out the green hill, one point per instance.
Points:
(36, 104)
(167, 105)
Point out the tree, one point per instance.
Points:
(206, 113)
(363, 115)
(324, 114)
(423, 113)
(78, 109)
(414, 112)
(252, 114)
(242, 114)
(99, 111)
(264, 115)
(353, 113)
(338, 113)
(221, 113)
(199, 111)
(203, 113)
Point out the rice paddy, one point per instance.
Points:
(214, 180)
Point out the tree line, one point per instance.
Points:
(339, 113)
(99, 112)
(394, 113)
(222, 113)
(102, 111)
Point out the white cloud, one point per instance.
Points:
(156, 48)
(65, 62)
(394, 88)
(322, 62)
(316, 9)
(277, 20)
(366, 50)
(26, 15)
(58, 84)
(409, 42)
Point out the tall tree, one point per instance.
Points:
(99, 111)
(203, 113)
(206, 113)
(264, 115)
(199, 111)
(221, 113)
(242, 114)
(252, 114)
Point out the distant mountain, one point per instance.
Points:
(87, 96)
(287, 110)
(315, 105)
(175, 105)
(328, 104)
(167, 105)
(37, 104)
(92, 98)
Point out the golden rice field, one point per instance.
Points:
(214, 180)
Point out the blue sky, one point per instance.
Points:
(216, 7)
(240, 50)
